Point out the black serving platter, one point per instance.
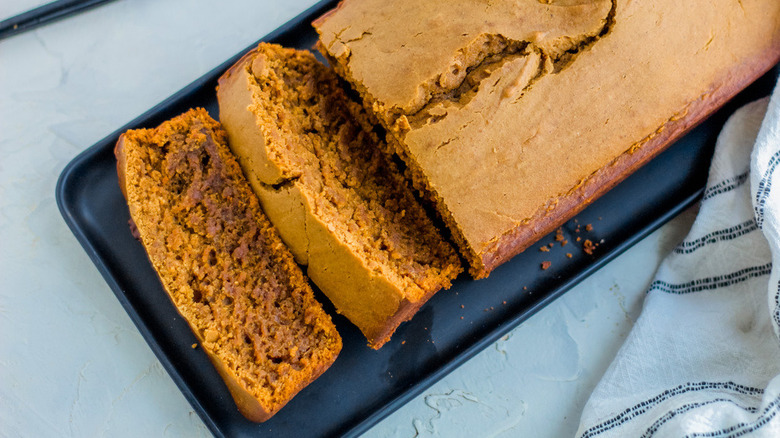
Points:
(364, 386)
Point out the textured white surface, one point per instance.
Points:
(71, 361)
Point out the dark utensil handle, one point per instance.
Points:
(45, 14)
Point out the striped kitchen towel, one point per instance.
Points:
(703, 359)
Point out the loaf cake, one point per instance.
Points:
(513, 117)
(223, 264)
(326, 181)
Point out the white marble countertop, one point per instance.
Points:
(71, 361)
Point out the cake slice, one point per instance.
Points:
(223, 264)
(514, 117)
(326, 181)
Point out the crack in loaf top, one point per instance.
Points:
(447, 41)
(553, 92)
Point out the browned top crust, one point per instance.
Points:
(223, 264)
(422, 50)
(503, 112)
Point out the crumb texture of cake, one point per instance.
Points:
(328, 183)
(223, 264)
(514, 117)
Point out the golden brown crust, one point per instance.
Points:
(544, 222)
(324, 17)
(222, 264)
(121, 164)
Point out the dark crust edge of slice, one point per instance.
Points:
(406, 310)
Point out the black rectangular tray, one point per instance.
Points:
(364, 386)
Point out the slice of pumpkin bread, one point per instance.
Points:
(327, 183)
(223, 264)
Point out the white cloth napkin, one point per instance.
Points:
(703, 359)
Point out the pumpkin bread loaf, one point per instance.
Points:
(514, 117)
(223, 264)
(326, 181)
